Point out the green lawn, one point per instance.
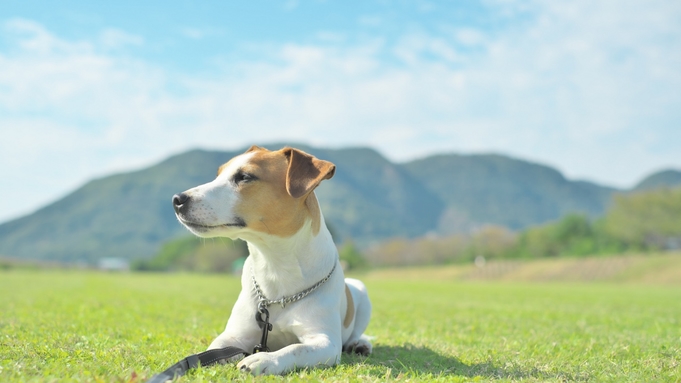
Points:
(87, 326)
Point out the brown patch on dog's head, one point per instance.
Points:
(279, 199)
(253, 148)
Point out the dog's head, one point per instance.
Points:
(259, 190)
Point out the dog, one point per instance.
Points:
(267, 199)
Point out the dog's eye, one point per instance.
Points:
(241, 177)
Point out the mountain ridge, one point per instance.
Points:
(128, 214)
(662, 178)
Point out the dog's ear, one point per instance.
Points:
(253, 148)
(305, 172)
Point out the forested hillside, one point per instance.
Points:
(495, 189)
(129, 215)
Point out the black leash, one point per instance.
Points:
(211, 357)
(204, 359)
(266, 327)
(262, 317)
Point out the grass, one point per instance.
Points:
(77, 326)
(651, 268)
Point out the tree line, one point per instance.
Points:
(635, 222)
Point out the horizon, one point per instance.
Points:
(89, 89)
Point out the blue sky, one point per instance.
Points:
(90, 88)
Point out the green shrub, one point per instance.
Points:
(195, 254)
(648, 220)
(351, 256)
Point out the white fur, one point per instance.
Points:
(213, 203)
(306, 333)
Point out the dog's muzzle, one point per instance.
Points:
(179, 200)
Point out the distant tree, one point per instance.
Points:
(351, 256)
(649, 219)
(642, 221)
(391, 252)
(194, 254)
(490, 242)
(574, 234)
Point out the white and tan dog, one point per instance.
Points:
(267, 199)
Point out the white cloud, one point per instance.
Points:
(115, 38)
(33, 37)
(468, 36)
(591, 87)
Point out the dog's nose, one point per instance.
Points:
(179, 200)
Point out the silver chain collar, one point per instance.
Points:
(263, 302)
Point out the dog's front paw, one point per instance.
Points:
(262, 363)
(361, 346)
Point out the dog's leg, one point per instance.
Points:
(314, 350)
(240, 340)
(241, 331)
(359, 343)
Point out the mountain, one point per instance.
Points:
(665, 178)
(484, 189)
(124, 215)
(130, 215)
(370, 197)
